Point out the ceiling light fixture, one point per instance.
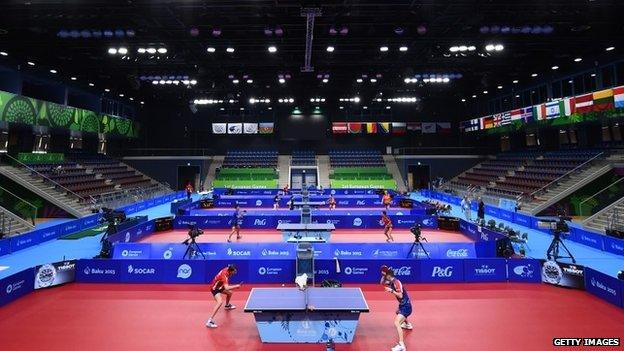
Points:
(578, 59)
(330, 49)
(230, 50)
(272, 49)
(383, 49)
(403, 48)
(211, 49)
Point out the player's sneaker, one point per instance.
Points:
(211, 324)
(398, 347)
(230, 307)
(406, 325)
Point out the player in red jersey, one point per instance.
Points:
(387, 223)
(386, 200)
(332, 202)
(384, 271)
(221, 285)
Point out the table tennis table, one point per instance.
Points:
(315, 204)
(316, 315)
(307, 232)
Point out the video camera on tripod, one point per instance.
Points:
(192, 248)
(418, 239)
(557, 226)
(113, 218)
(417, 233)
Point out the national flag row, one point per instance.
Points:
(391, 127)
(243, 128)
(602, 100)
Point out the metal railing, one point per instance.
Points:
(119, 198)
(18, 206)
(445, 150)
(56, 184)
(614, 222)
(606, 203)
(531, 195)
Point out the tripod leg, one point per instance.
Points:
(197, 249)
(568, 251)
(423, 248)
(409, 253)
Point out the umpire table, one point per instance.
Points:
(314, 315)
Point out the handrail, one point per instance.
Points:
(44, 177)
(567, 174)
(33, 207)
(594, 195)
(608, 208)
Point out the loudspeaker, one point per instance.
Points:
(448, 223)
(163, 224)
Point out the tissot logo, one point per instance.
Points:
(485, 269)
(589, 239)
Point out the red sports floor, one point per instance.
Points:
(495, 316)
(338, 236)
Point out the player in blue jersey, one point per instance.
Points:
(237, 220)
(395, 287)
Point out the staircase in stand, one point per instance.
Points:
(11, 224)
(393, 168)
(217, 162)
(283, 165)
(322, 161)
(600, 221)
(47, 191)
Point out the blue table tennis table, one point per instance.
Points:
(316, 315)
(310, 232)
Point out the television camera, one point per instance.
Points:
(192, 249)
(558, 226)
(418, 239)
(112, 218)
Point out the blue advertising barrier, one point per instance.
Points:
(176, 205)
(16, 286)
(267, 201)
(603, 286)
(579, 235)
(441, 271)
(354, 191)
(368, 221)
(39, 236)
(524, 270)
(98, 271)
(485, 270)
(134, 233)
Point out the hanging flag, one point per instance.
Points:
(527, 114)
(552, 109)
(354, 128)
(235, 128)
(384, 127)
(399, 127)
(428, 128)
(618, 97)
(482, 123)
(539, 112)
(371, 128)
(219, 128)
(488, 122)
(603, 100)
(506, 118)
(339, 127)
(250, 128)
(497, 119)
(414, 127)
(516, 114)
(265, 128)
(584, 103)
(566, 107)
(444, 127)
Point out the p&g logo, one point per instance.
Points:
(446, 272)
(259, 221)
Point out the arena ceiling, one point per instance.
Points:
(74, 38)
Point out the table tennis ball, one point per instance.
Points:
(282, 285)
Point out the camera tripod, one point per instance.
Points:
(192, 249)
(553, 249)
(417, 241)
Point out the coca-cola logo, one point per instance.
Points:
(403, 271)
(457, 253)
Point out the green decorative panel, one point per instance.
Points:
(25, 110)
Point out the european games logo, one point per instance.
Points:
(168, 254)
(357, 221)
(262, 271)
(124, 253)
(524, 271)
(348, 271)
(184, 271)
(9, 288)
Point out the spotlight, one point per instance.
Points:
(515, 81)
(554, 68)
(534, 75)
(330, 49)
(194, 32)
(463, 100)
(30, 63)
(499, 47)
(91, 84)
(489, 47)
(272, 49)
(107, 90)
(53, 71)
(279, 31)
(282, 80)
(162, 50)
(499, 87)
(373, 80)
(454, 49)
(249, 81)
(112, 51)
(230, 50)
(73, 78)
(332, 30)
(216, 32)
(344, 31)
(141, 50)
(421, 30)
(403, 48)
(383, 49)
(610, 48)
(359, 80)
(122, 51)
(3, 53)
(578, 59)
(211, 49)
(356, 99)
(325, 80)
(407, 80)
(268, 32)
(193, 82)
(235, 81)
(151, 51)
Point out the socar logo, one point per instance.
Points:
(128, 237)
(130, 269)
